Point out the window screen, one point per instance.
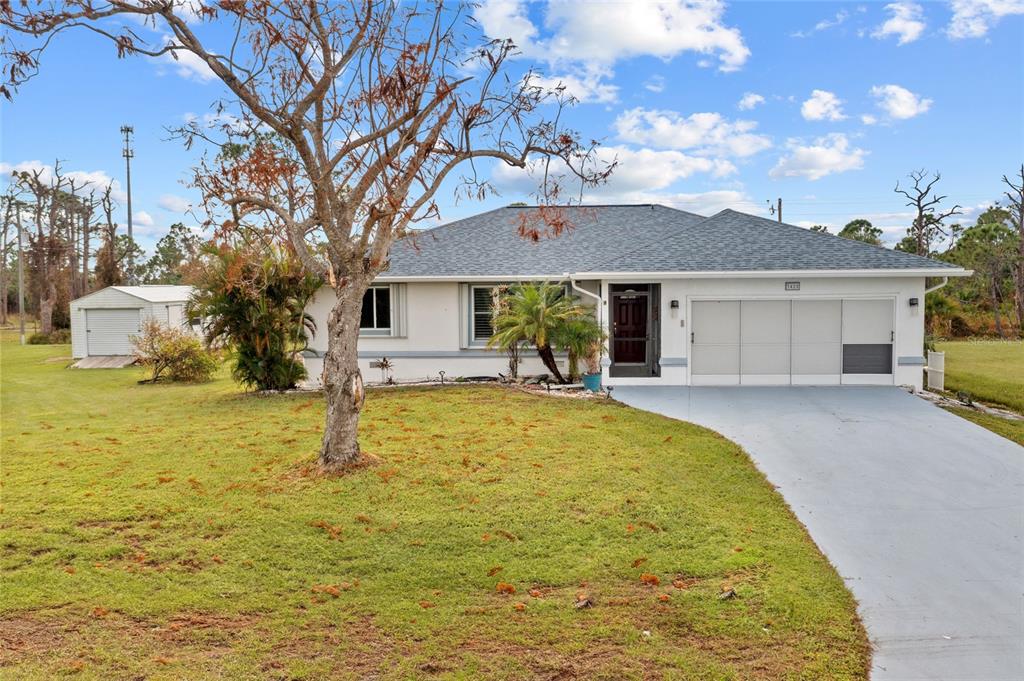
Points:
(867, 358)
(482, 304)
(376, 313)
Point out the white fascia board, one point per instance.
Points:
(776, 274)
(733, 274)
(472, 278)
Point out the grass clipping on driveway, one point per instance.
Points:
(174, 532)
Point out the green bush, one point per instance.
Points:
(253, 302)
(174, 354)
(58, 337)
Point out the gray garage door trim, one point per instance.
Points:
(792, 341)
(108, 330)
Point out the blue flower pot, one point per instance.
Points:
(592, 382)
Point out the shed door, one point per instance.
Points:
(107, 331)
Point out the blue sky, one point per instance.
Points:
(706, 105)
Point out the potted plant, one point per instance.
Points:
(592, 362)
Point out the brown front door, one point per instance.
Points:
(629, 330)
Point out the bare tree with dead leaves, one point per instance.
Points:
(340, 124)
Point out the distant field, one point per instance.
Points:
(990, 370)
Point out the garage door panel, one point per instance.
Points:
(716, 322)
(867, 321)
(764, 321)
(817, 321)
(762, 359)
(716, 359)
(817, 359)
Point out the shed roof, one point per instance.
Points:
(152, 293)
(636, 238)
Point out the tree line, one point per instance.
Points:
(70, 245)
(991, 302)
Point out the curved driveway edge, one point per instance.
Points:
(921, 512)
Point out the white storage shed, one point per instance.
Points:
(103, 322)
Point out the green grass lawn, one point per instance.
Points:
(992, 371)
(1011, 430)
(177, 532)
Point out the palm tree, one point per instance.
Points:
(535, 314)
(577, 337)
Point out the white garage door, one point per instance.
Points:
(107, 332)
(799, 342)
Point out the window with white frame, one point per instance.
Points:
(376, 314)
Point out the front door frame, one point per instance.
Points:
(651, 292)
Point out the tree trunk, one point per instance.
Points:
(343, 383)
(995, 308)
(548, 358)
(46, 303)
(1018, 293)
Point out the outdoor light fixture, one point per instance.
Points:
(913, 302)
(674, 304)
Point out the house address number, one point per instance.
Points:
(792, 285)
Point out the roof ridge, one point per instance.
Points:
(836, 236)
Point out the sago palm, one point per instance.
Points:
(534, 313)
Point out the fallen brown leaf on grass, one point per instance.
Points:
(520, 606)
(535, 593)
(99, 611)
(504, 588)
(664, 598)
(162, 660)
(494, 570)
(68, 569)
(217, 559)
(649, 579)
(426, 604)
(639, 561)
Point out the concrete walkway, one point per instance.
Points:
(921, 512)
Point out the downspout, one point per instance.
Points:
(595, 296)
(945, 280)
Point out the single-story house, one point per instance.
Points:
(103, 322)
(731, 299)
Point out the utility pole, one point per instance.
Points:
(21, 275)
(776, 211)
(127, 131)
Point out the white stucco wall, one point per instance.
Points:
(675, 333)
(433, 338)
(433, 335)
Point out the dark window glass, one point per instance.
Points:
(376, 313)
(383, 308)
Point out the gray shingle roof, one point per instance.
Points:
(638, 238)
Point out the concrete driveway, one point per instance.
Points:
(921, 512)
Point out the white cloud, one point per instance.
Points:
(174, 204)
(655, 84)
(704, 133)
(974, 18)
(85, 180)
(749, 100)
(898, 102)
(825, 156)
(905, 22)
(580, 37)
(868, 119)
(823, 25)
(587, 87)
(638, 171)
(822, 105)
(186, 64)
(141, 217)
